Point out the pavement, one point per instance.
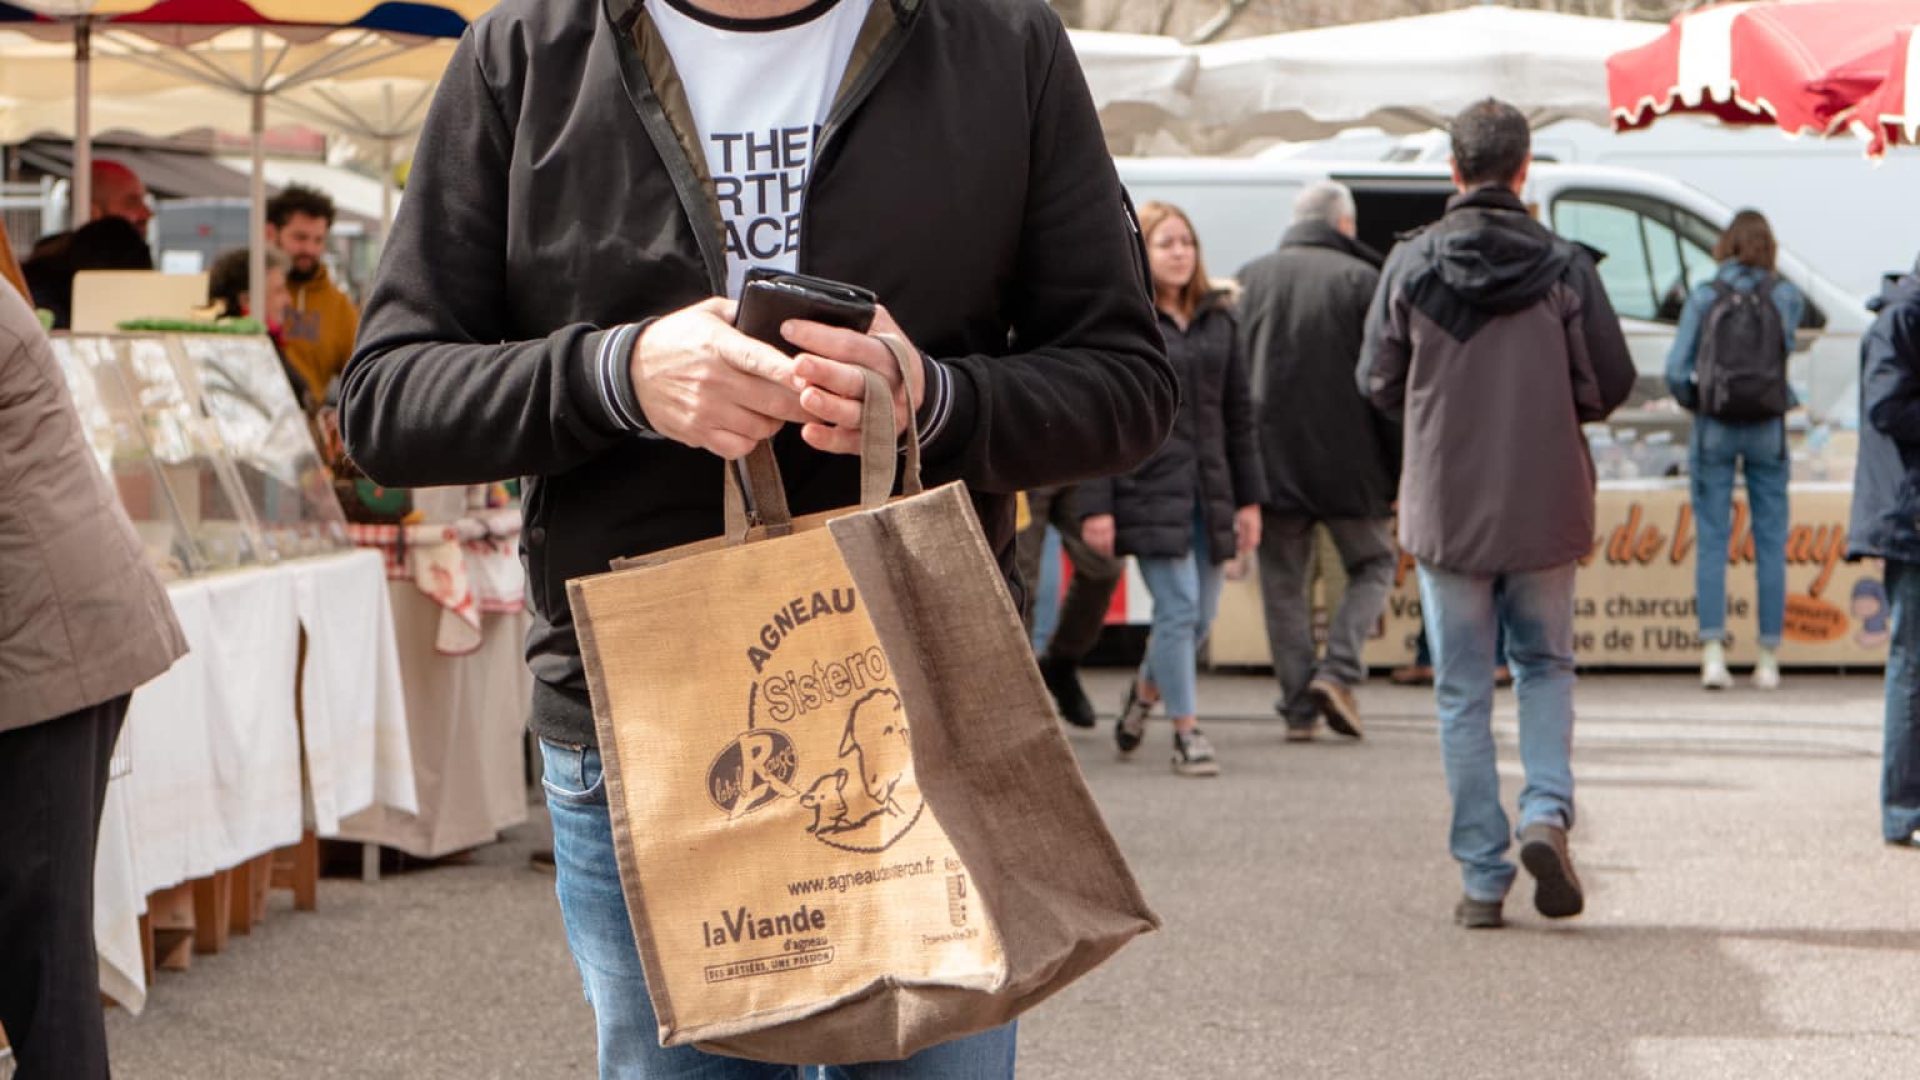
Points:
(1743, 919)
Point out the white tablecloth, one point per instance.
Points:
(355, 705)
(215, 742)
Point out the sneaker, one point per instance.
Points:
(1193, 754)
(1063, 682)
(1766, 674)
(1132, 725)
(1301, 732)
(1911, 840)
(1543, 851)
(1337, 705)
(1713, 668)
(1479, 914)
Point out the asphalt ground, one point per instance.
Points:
(1743, 920)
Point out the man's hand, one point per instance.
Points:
(1246, 529)
(1097, 533)
(831, 387)
(703, 383)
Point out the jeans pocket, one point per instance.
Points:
(572, 774)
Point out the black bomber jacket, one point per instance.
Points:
(557, 203)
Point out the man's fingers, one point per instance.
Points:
(830, 408)
(730, 446)
(774, 399)
(841, 380)
(831, 440)
(847, 346)
(756, 358)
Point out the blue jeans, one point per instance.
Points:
(603, 947)
(1186, 595)
(1759, 450)
(1462, 613)
(1900, 764)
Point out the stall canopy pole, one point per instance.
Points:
(386, 167)
(80, 186)
(257, 211)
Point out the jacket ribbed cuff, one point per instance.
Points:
(613, 375)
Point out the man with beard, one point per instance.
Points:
(321, 322)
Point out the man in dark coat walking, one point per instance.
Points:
(1331, 458)
(1886, 525)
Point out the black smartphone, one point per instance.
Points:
(771, 297)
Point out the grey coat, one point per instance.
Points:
(1496, 341)
(83, 619)
(1328, 452)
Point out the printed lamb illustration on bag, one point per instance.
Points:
(876, 738)
(827, 798)
(870, 801)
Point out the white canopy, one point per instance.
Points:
(1400, 75)
(1141, 83)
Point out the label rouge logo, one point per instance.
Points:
(847, 767)
(754, 770)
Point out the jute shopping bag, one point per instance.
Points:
(847, 822)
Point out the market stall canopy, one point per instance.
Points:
(1891, 113)
(285, 44)
(130, 92)
(1141, 83)
(1404, 75)
(1801, 66)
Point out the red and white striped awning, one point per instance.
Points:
(1891, 114)
(1801, 66)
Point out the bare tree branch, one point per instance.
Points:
(1217, 25)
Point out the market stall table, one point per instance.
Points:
(457, 593)
(219, 764)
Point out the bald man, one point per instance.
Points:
(115, 239)
(119, 192)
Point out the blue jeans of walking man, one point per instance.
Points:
(601, 936)
(1900, 764)
(1463, 614)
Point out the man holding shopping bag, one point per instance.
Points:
(593, 183)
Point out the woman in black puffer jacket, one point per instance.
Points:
(1194, 504)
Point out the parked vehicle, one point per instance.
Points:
(1657, 233)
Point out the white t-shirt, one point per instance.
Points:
(760, 91)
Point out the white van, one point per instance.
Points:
(1658, 234)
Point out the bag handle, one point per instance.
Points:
(755, 495)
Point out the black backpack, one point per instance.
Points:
(1741, 368)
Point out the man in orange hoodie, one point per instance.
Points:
(321, 322)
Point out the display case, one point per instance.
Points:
(117, 434)
(207, 446)
(243, 388)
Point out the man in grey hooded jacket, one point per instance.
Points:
(1495, 341)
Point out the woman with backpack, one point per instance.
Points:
(1195, 503)
(1729, 368)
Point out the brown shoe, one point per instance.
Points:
(1411, 675)
(1503, 676)
(1304, 733)
(1543, 851)
(1337, 705)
